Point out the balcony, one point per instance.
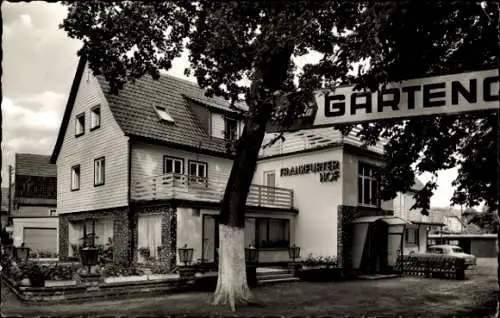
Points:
(314, 138)
(177, 186)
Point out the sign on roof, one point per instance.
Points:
(440, 95)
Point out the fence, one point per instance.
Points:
(431, 266)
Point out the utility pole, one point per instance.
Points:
(9, 216)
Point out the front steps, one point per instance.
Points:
(274, 275)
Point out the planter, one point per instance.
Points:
(294, 268)
(123, 279)
(162, 276)
(36, 277)
(320, 274)
(187, 271)
(88, 256)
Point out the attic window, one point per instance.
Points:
(163, 114)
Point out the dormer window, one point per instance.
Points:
(79, 124)
(163, 114)
(95, 117)
(230, 129)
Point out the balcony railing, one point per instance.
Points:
(314, 138)
(178, 186)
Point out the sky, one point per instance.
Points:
(37, 75)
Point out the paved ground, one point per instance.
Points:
(389, 298)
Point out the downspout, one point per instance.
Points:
(131, 211)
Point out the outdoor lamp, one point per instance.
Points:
(186, 254)
(294, 252)
(251, 254)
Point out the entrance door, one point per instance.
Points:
(375, 254)
(210, 238)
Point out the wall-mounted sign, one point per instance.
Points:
(329, 171)
(437, 95)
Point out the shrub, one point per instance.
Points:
(320, 261)
(115, 270)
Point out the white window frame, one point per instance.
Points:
(162, 112)
(227, 135)
(371, 179)
(80, 124)
(269, 190)
(75, 177)
(177, 175)
(196, 177)
(99, 171)
(95, 117)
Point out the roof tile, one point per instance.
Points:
(34, 165)
(134, 112)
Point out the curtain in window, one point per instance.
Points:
(149, 234)
(278, 232)
(75, 232)
(250, 232)
(262, 232)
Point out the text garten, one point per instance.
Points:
(414, 96)
(329, 170)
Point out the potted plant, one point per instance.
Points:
(89, 256)
(145, 253)
(35, 276)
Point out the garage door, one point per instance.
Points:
(41, 239)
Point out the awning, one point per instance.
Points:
(390, 220)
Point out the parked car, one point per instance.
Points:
(453, 250)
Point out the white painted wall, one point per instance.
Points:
(350, 179)
(108, 141)
(316, 223)
(20, 223)
(33, 210)
(147, 161)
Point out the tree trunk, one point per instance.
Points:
(232, 287)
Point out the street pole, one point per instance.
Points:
(9, 216)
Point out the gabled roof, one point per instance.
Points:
(133, 109)
(34, 165)
(418, 185)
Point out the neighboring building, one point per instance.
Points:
(417, 232)
(34, 213)
(4, 213)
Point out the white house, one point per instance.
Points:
(147, 169)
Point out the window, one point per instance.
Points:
(271, 233)
(80, 125)
(75, 178)
(411, 236)
(230, 129)
(368, 187)
(163, 114)
(198, 171)
(95, 117)
(52, 212)
(173, 165)
(99, 167)
(270, 183)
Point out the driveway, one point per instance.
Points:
(389, 297)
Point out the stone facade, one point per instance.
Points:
(345, 231)
(121, 231)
